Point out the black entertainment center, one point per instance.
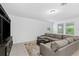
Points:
(5, 37)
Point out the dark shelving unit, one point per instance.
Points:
(6, 41)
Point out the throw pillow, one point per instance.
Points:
(58, 44)
(70, 39)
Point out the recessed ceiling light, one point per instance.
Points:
(53, 11)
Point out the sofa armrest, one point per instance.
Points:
(46, 50)
(44, 45)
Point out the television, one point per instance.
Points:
(6, 29)
(4, 26)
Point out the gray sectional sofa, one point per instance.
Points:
(64, 46)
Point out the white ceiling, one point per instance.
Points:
(39, 11)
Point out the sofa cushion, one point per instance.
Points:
(58, 44)
(61, 43)
(65, 36)
(53, 39)
(76, 38)
(70, 39)
(54, 46)
(59, 36)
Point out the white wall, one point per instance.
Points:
(74, 20)
(25, 29)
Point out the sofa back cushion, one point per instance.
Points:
(58, 44)
(49, 35)
(66, 36)
(58, 36)
(42, 36)
(76, 38)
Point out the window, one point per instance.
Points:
(70, 28)
(60, 28)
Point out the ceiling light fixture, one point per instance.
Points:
(62, 4)
(53, 11)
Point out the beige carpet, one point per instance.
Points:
(18, 50)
